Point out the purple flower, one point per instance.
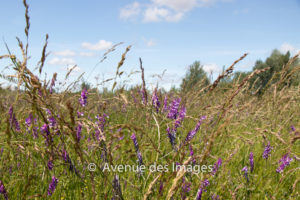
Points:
(78, 132)
(136, 145)
(285, 161)
(293, 128)
(52, 185)
(142, 93)
(45, 129)
(83, 98)
(50, 165)
(267, 151)
(217, 165)
(3, 191)
(192, 154)
(165, 108)
(180, 117)
(186, 188)
(172, 137)
(245, 170)
(155, 101)
(202, 187)
(251, 161)
(28, 120)
(215, 197)
(80, 114)
(193, 132)
(117, 188)
(173, 112)
(12, 120)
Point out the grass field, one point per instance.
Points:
(211, 143)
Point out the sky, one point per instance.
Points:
(168, 35)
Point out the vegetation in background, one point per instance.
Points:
(50, 139)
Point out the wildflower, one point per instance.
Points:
(285, 161)
(12, 120)
(52, 185)
(117, 188)
(142, 93)
(245, 170)
(155, 101)
(180, 117)
(217, 165)
(202, 187)
(192, 154)
(136, 145)
(78, 132)
(83, 98)
(293, 128)
(50, 165)
(267, 151)
(165, 108)
(186, 187)
(193, 132)
(215, 197)
(45, 129)
(3, 191)
(80, 114)
(172, 137)
(173, 112)
(28, 120)
(251, 161)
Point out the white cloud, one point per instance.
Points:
(156, 14)
(177, 5)
(66, 52)
(285, 47)
(87, 54)
(211, 68)
(61, 61)
(101, 45)
(164, 10)
(130, 10)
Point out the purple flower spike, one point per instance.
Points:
(12, 120)
(193, 132)
(180, 118)
(78, 132)
(172, 137)
(155, 101)
(202, 187)
(52, 185)
(217, 165)
(173, 112)
(267, 151)
(285, 161)
(186, 188)
(251, 161)
(28, 120)
(3, 191)
(136, 145)
(50, 165)
(165, 108)
(245, 170)
(83, 98)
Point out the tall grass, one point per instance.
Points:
(49, 139)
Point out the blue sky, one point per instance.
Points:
(167, 34)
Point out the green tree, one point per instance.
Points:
(194, 78)
(275, 61)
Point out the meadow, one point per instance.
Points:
(210, 142)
